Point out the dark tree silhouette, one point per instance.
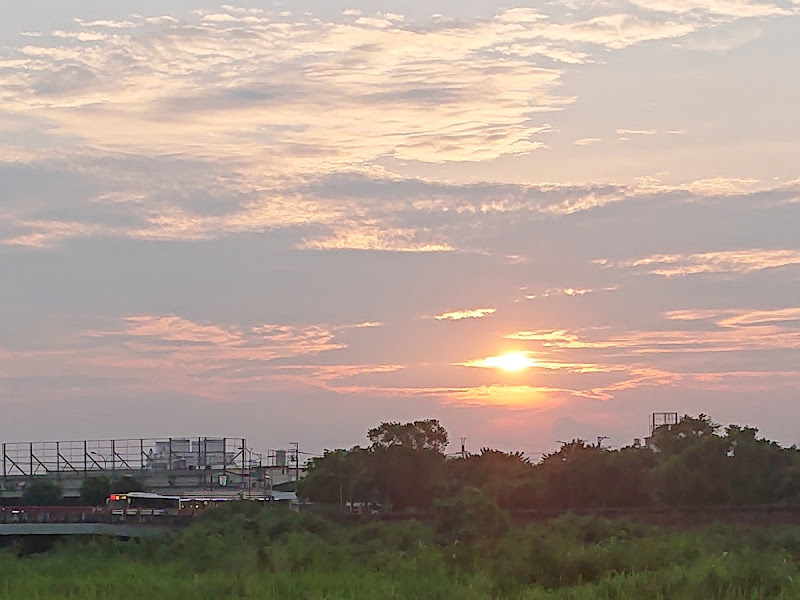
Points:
(42, 492)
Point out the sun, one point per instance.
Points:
(511, 361)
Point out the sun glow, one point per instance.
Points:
(510, 361)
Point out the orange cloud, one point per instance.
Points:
(518, 396)
(512, 361)
(508, 396)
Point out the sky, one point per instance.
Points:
(294, 221)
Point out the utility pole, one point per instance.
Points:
(296, 446)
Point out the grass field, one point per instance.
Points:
(264, 555)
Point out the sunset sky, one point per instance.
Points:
(293, 221)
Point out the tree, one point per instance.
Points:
(406, 478)
(401, 468)
(123, 485)
(494, 472)
(698, 475)
(674, 439)
(407, 462)
(95, 490)
(418, 435)
(340, 476)
(42, 492)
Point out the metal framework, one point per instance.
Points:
(660, 419)
(144, 454)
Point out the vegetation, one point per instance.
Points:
(467, 551)
(96, 490)
(42, 492)
(461, 542)
(695, 463)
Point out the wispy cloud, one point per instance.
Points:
(158, 353)
(458, 315)
(571, 292)
(730, 330)
(360, 236)
(518, 397)
(637, 131)
(171, 335)
(509, 396)
(723, 261)
(737, 9)
(762, 317)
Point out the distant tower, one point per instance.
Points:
(659, 419)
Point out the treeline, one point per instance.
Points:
(695, 462)
(94, 490)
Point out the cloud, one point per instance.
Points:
(114, 195)
(628, 134)
(639, 377)
(731, 330)
(736, 9)
(587, 141)
(637, 131)
(171, 353)
(762, 317)
(168, 336)
(571, 292)
(107, 24)
(515, 397)
(198, 87)
(458, 315)
(693, 314)
(724, 186)
(508, 396)
(519, 361)
(513, 361)
(725, 39)
(724, 261)
(231, 121)
(361, 236)
(298, 94)
(560, 336)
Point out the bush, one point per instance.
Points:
(42, 492)
(95, 491)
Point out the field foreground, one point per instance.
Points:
(463, 553)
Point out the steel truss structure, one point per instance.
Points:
(140, 454)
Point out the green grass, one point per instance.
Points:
(247, 554)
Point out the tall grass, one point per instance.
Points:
(258, 554)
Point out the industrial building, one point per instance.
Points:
(171, 465)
